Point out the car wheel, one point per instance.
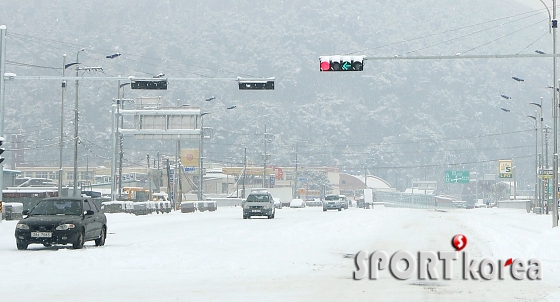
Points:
(324, 210)
(22, 245)
(79, 241)
(339, 209)
(101, 240)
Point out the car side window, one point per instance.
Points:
(93, 206)
(86, 205)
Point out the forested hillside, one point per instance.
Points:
(403, 119)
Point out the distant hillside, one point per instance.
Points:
(404, 119)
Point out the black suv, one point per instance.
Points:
(62, 221)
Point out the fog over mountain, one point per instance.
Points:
(403, 119)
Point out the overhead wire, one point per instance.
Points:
(445, 31)
(105, 52)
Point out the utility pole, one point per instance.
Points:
(113, 148)
(149, 178)
(75, 183)
(2, 97)
(295, 175)
(555, 117)
(169, 193)
(60, 172)
(176, 171)
(244, 170)
(264, 158)
(201, 158)
(545, 183)
(117, 152)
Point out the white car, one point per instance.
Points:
(277, 203)
(297, 203)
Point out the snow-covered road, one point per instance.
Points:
(302, 255)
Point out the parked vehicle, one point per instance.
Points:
(277, 203)
(143, 207)
(314, 203)
(259, 203)
(332, 202)
(297, 203)
(13, 210)
(117, 206)
(62, 221)
(188, 207)
(208, 205)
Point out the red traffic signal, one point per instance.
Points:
(341, 63)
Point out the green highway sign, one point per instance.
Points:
(457, 177)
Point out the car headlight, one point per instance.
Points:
(66, 226)
(22, 226)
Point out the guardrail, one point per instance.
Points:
(408, 200)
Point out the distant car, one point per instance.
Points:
(343, 201)
(360, 203)
(297, 203)
(332, 202)
(277, 203)
(314, 203)
(61, 221)
(259, 203)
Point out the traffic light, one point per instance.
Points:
(256, 84)
(341, 63)
(149, 84)
(1, 149)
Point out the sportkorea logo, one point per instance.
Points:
(425, 264)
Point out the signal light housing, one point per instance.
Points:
(256, 84)
(341, 63)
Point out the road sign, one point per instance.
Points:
(272, 180)
(458, 177)
(149, 84)
(505, 168)
(546, 174)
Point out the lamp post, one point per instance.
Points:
(201, 150)
(537, 195)
(542, 194)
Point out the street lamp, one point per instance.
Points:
(542, 194)
(201, 149)
(554, 26)
(537, 194)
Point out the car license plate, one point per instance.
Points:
(41, 234)
(256, 211)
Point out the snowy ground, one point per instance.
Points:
(302, 255)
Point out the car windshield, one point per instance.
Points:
(58, 207)
(257, 198)
(331, 197)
